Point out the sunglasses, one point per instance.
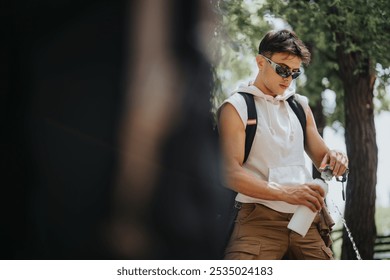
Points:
(283, 72)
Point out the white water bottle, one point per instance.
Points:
(303, 216)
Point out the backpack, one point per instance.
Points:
(226, 208)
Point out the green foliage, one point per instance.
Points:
(382, 217)
(237, 35)
(354, 26)
(363, 25)
(381, 98)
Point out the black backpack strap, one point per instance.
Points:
(250, 130)
(299, 112)
(227, 212)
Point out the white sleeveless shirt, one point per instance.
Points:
(277, 153)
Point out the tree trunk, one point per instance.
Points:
(362, 150)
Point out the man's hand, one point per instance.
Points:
(337, 162)
(309, 194)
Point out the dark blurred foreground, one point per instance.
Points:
(106, 146)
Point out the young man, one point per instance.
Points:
(274, 180)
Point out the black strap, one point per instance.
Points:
(299, 112)
(227, 213)
(250, 129)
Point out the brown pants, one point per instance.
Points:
(261, 233)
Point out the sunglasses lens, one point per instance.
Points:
(283, 72)
(295, 75)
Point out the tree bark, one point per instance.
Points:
(360, 136)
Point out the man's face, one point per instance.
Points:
(269, 81)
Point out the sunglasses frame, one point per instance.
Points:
(282, 71)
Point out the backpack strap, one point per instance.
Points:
(250, 129)
(299, 112)
(227, 212)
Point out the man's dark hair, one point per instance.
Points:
(284, 41)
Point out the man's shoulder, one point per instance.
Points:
(236, 99)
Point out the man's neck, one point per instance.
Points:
(263, 88)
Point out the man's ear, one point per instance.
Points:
(260, 61)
